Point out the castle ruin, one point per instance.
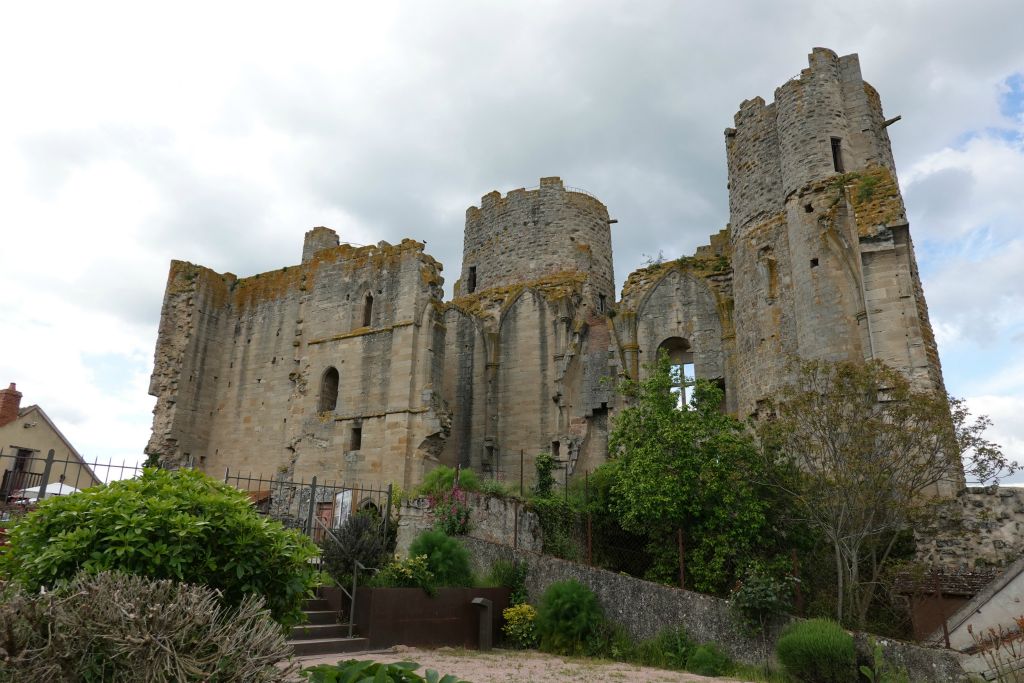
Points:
(352, 365)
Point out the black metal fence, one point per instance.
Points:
(313, 506)
(29, 476)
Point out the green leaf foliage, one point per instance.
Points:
(510, 574)
(695, 469)
(817, 651)
(568, 617)
(368, 671)
(441, 480)
(447, 558)
(709, 660)
(179, 525)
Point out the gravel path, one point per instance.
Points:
(499, 666)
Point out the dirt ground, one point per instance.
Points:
(499, 666)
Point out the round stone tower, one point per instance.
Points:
(532, 235)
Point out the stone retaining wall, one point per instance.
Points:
(644, 608)
(491, 519)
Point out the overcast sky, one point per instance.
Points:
(219, 133)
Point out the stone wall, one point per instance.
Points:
(533, 234)
(982, 527)
(242, 364)
(815, 264)
(643, 609)
(491, 519)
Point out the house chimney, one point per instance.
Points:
(10, 404)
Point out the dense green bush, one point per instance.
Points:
(413, 572)
(818, 651)
(446, 557)
(511, 575)
(359, 538)
(520, 626)
(179, 525)
(352, 670)
(441, 480)
(121, 628)
(709, 660)
(670, 649)
(568, 617)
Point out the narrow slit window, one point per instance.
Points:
(555, 448)
(329, 391)
(837, 155)
(367, 310)
(471, 283)
(600, 302)
(357, 439)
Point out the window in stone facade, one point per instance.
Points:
(367, 310)
(357, 439)
(471, 283)
(681, 370)
(600, 302)
(329, 391)
(837, 155)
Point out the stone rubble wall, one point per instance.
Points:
(643, 609)
(982, 527)
(491, 519)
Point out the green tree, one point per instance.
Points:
(874, 455)
(179, 525)
(693, 469)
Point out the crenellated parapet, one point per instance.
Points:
(532, 235)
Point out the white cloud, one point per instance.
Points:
(219, 133)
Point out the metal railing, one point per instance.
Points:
(28, 476)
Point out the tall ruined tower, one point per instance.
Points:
(823, 264)
(527, 333)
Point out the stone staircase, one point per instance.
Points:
(322, 634)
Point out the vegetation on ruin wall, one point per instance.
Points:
(554, 287)
(874, 196)
(249, 291)
(700, 265)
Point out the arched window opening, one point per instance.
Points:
(329, 391)
(681, 371)
(367, 310)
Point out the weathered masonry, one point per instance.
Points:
(353, 364)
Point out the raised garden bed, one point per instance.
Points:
(408, 616)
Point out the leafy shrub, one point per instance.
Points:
(413, 572)
(568, 617)
(511, 575)
(446, 557)
(441, 480)
(352, 670)
(761, 597)
(709, 660)
(451, 512)
(670, 649)
(520, 626)
(817, 650)
(493, 487)
(545, 465)
(359, 538)
(557, 519)
(179, 525)
(123, 628)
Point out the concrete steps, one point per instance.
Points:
(322, 634)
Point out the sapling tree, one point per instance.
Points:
(875, 455)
